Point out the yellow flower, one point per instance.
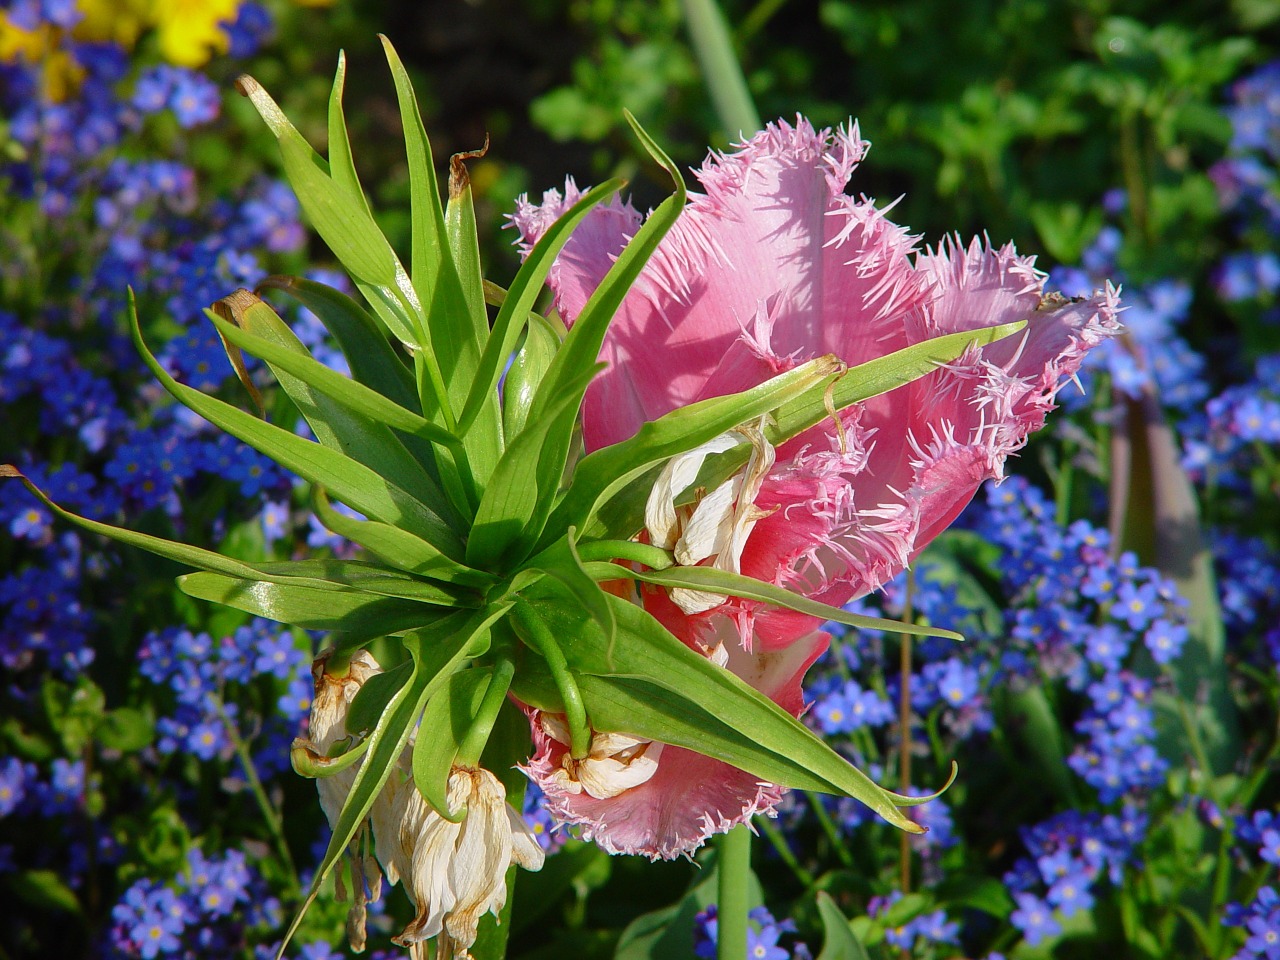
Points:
(112, 21)
(189, 31)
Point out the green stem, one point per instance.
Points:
(720, 68)
(269, 812)
(655, 558)
(731, 909)
(537, 635)
(904, 730)
(475, 739)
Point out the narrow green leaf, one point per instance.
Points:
(452, 341)
(883, 374)
(352, 482)
(396, 547)
(464, 242)
(297, 361)
(434, 273)
(371, 357)
(342, 166)
(375, 363)
(520, 298)
(527, 369)
(448, 716)
(711, 580)
(368, 578)
(313, 608)
(315, 575)
(564, 381)
(345, 224)
(344, 415)
(651, 685)
(562, 562)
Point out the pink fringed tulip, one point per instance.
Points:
(771, 266)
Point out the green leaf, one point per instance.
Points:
(294, 573)
(311, 607)
(448, 717)
(352, 482)
(345, 224)
(396, 547)
(527, 475)
(372, 358)
(345, 416)
(268, 338)
(604, 472)
(527, 369)
(564, 380)
(126, 729)
(520, 298)
(463, 241)
(838, 941)
(711, 580)
(341, 164)
(650, 685)
(452, 335)
(370, 701)
(45, 890)
(437, 653)
(561, 561)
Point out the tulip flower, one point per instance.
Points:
(773, 264)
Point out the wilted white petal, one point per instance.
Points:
(660, 511)
(708, 530)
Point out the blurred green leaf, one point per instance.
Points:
(838, 941)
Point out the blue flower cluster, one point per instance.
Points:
(208, 910)
(764, 936)
(91, 202)
(927, 927)
(210, 679)
(1063, 612)
(1068, 855)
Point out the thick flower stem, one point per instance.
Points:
(473, 743)
(731, 910)
(534, 632)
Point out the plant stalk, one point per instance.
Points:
(731, 909)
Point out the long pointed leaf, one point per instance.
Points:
(371, 357)
(342, 166)
(352, 482)
(711, 580)
(520, 298)
(314, 608)
(396, 547)
(353, 395)
(344, 415)
(606, 471)
(527, 476)
(651, 685)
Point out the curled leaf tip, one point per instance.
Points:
(9, 470)
(459, 179)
